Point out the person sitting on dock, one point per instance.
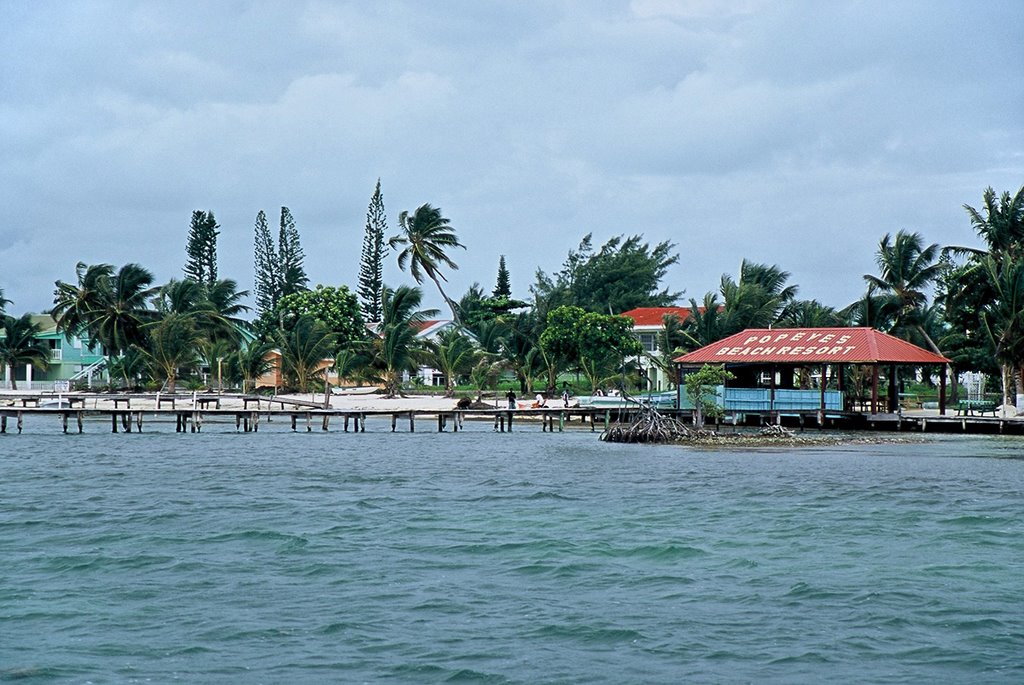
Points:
(540, 401)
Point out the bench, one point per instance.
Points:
(969, 407)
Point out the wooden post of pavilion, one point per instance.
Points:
(874, 388)
(942, 389)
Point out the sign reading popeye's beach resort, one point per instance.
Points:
(811, 345)
(801, 343)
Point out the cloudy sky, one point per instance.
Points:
(794, 133)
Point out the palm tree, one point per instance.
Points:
(216, 308)
(453, 353)
(810, 314)
(394, 349)
(74, 304)
(907, 268)
(129, 366)
(111, 307)
(1002, 224)
(3, 302)
(225, 300)
(18, 345)
(253, 361)
(303, 351)
(1003, 317)
(426, 236)
(173, 343)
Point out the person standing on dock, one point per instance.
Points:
(511, 397)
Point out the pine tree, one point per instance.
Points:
(292, 273)
(504, 285)
(371, 264)
(266, 265)
(201, 248)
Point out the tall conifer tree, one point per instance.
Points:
(266, 265)
(201, 249)
(292, 273)
(503, 288)
(371, 264)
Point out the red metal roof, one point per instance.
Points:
(654, 316)
(811, 345)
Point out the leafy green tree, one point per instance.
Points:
(700, 388)
(267, 267)
(426, 238)
(304, 349)
(110, 307)
(201, 248)
(394, 350)
(19, 346)
(335, 307)
(503, 286)
(605, 342)
(623, 274)
(597, 343)
(173, 343)
(371, 263)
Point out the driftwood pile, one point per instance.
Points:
(776, 431)
(649, 426)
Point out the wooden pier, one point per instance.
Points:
(189, 414)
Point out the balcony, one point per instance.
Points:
(56, 355)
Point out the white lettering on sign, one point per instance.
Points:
(821, 350)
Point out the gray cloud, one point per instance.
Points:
(794, 133)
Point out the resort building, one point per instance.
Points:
(649, 328)
(826, 369)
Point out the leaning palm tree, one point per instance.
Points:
(18, 345)
(425, 239)
(3, 302)
(173, 343)
(303, 351)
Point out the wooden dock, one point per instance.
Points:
(189, 414)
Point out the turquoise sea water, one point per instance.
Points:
(524, 558)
